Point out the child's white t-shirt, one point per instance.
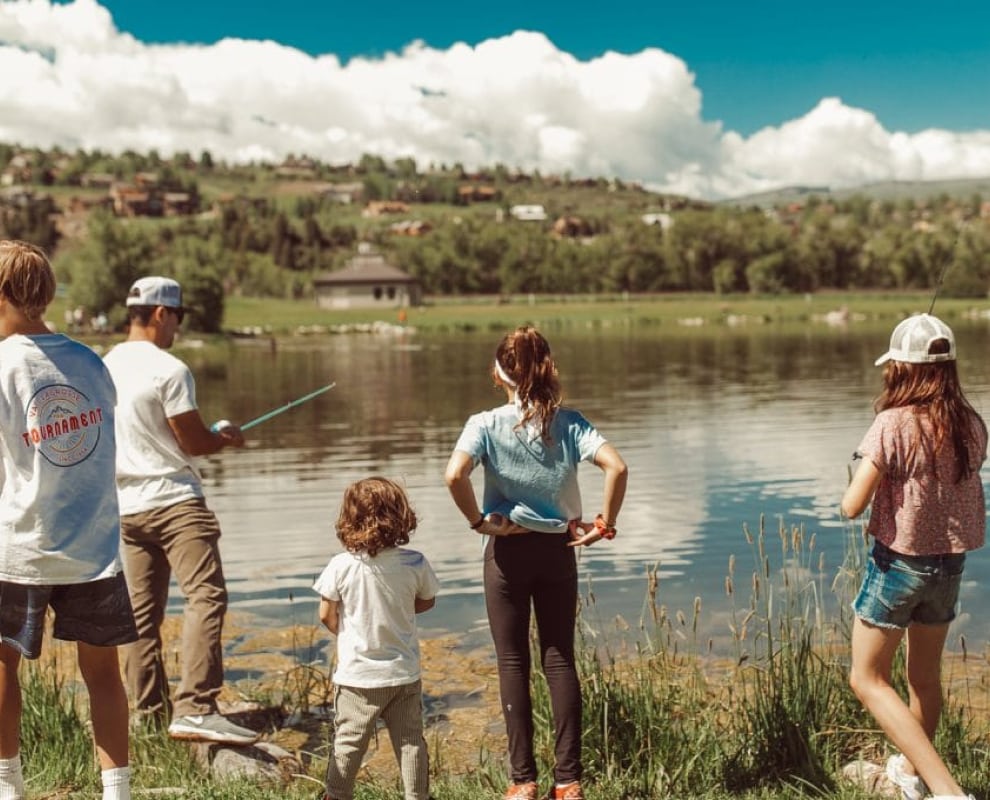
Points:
(377, 641)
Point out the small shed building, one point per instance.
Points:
(367, 281)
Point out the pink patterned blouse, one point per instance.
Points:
(927, 512)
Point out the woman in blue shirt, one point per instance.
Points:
(530, 449)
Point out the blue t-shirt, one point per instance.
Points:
(530, 481)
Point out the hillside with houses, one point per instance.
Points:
(393, 233)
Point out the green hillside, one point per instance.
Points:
(272, 231)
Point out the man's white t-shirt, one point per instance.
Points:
(152, 386)
(377, 641)
(59, 522)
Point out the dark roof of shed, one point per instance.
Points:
(365, 268)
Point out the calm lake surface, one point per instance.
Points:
(719, 425)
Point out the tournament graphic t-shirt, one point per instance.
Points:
(59, 521)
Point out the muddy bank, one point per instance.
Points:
(291, 667)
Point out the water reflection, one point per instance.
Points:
(718, 426)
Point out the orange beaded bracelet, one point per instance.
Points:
(607, 531)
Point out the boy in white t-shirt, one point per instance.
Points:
(59, 520)
(369, 598)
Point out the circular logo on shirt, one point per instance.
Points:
(63, 425)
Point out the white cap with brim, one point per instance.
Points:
(912, 339)
(155, 291)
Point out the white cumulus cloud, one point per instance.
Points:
(74, 80)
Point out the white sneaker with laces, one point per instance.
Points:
(911, 786)
(210, 728)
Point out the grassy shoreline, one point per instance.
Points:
(277, 317)
(662, 718)
(274, 316)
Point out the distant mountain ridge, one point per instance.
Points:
(883, 190)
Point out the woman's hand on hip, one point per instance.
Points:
(582, 533)
(499, 525)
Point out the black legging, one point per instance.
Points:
(535, 570)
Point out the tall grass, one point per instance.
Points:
(57, 749)
(665, 715)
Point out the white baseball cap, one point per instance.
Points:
(155, 291)
(913, 337)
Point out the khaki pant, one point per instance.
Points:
(184, 539)
(355, 713)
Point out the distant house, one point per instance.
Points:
(303, 168)
(344, 193)
(529, 213)
(410, 227)
(661, 218)
(175, 204)
(476, 193)
(130, 201)
(146, 179)
(377, 208)
(367, 281)
(572, 227)
(17, 197)
(96, 180)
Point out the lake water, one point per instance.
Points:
(719, 426)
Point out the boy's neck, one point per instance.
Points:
(13, 321)
(33, 328)
(25, 327)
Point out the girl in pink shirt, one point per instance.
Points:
(921, 470)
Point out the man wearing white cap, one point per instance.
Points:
(165, 524)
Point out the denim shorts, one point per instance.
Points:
(900, 589)
(97, 613)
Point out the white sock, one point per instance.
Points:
(116, 783)
(11, 779)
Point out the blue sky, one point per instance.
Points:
(706, 99)
(915, 65)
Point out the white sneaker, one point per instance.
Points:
(911, 786)
(210, 728)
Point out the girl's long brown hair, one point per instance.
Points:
(374, 516)
(935, 389)
(524, 355)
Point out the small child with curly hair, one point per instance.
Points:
(369, 598)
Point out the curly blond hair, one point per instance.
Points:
(375, 515)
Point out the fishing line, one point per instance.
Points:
(945, 267)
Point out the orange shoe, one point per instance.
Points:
(521, 791)
(570, 791)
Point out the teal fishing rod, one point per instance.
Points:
(276, 411)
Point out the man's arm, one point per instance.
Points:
(196, 439)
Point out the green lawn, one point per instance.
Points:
(485, 313)
(278, 317)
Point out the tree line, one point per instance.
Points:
(263, 245)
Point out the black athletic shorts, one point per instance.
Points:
(97, 613)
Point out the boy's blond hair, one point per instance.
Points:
(26, 277)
